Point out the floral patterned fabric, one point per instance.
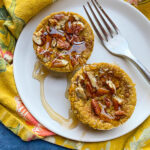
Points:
(14, 14)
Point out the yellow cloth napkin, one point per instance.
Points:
(14, 14)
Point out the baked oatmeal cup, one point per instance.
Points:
(102, 96)
(63, 41)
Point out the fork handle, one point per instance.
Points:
(141, 68)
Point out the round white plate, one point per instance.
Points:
(136, 29)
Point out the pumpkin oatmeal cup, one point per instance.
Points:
(102, 96)
(63, 41)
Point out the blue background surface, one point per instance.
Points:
(9, 141)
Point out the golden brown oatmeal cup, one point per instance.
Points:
(102, 96)
(63, 41)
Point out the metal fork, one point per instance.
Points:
(112, 40)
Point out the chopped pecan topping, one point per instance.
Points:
(59, 63)
(119, 114)
(62, 44)
(48, 29)
(68, 27)
(80, 81)
(81, 77)
(37, 38)
(95, 106)
(111, 85)
(88, 90)
(80, 92)
(47, 56)
(77, 27)
(61, 33)
(61, 21)
(45, 53)
(108, 102)
(92, 80)
(69, 38)
(72, 38)
(59, 17)
(119, 100)
(74, 60)
(54, 43)
(53, 22)
(75, 38)
(76, 17)
(102, 91)
(46, 59)
(115, 104)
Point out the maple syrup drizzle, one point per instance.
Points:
(40, 73)
(77, 47)
(56, 33)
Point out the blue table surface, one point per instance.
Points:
(9, 141)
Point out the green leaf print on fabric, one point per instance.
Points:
(10, 44)
(3, 13)
(10, 29)
(18, 22)
(15, 130)
(2, 65)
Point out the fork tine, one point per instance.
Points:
(95, 28)
(100, 25)
(106, 24)
(112, 23)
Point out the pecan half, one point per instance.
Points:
(102, 91)
(95, 106)
(108, 102)
(88, 89)
(115, 104)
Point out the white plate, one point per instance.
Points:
(133, 25)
